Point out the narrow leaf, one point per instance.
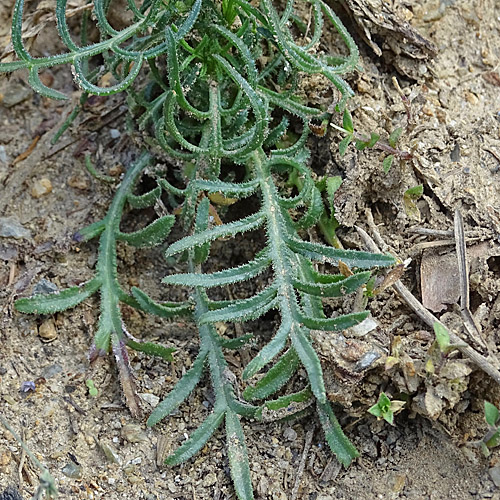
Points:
(236, 343)
(91, 231)
(338, 289)
(238, 457)
(151, 235)
(152, 349)
(55, 302)
(310, 360)
(285, 401)
(340, 445)
(225, 277)
(37, 85)
(180, 392)
(197, 439)
(144, 200)
(245, 309)
(229, 229)
(271, 350)
(164, 310)
(353, 258)
(275, 378)
(334, 324)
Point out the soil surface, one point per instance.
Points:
(450, 115)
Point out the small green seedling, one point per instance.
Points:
(386, 409)
(492, 437)
(92, 388)
(439, 349)
(363, 142)
(410, 198)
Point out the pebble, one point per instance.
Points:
(114, 133)
(15, 93)
(289, 434)
(134, 434)
(209, 480)
(10, 227)
(47, 330)
(41, 187)
(44, 287)
(110, 453)
(494, 473)
(3, 155)
(79, 182)
(72, 470)
(149, 398)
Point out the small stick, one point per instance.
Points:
(431, 232)
(424, 314)
(300, 470)
(21, 462)
(471, 325)
(440, 243)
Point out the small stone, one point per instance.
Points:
(47, 330)
(110, 452)
(289, 434)
(116, 170)
(3, 155)
(72, 470)
(114, 133)
(134, 434)
(51, 370)
(209, 480)
(10, 227)
(14, 93)
(41, 187)
(79, 182)
(151, 399)
(44, 287)
(494, 473)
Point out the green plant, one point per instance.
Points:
(386, 409)
(492, 437)
(218, 96)
(361, 142)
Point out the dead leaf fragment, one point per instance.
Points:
(440, 280)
